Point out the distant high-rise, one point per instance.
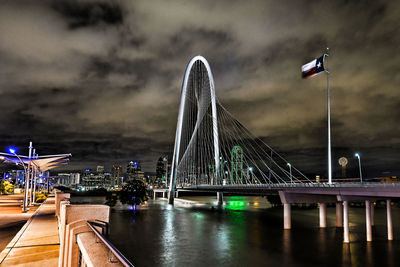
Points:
(134, 171)
(100, 169)
(107, 179)
(75, 178)
(93, 179)
(160, 171)
(116, 173)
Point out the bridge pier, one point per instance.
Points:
(322, 215)
(287, 220)
(372, 214)
(389, 219)
(346, 234)
(171, 197)
(220, 198)
(339, 214)
(368, 219)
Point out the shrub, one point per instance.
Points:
(40, 197)
(6, 187)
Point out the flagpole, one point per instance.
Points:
(329, 119)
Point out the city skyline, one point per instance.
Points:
(102, 80)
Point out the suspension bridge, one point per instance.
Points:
(215, 152)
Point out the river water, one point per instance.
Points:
(247, 231)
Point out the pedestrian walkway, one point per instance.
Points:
(37, 243)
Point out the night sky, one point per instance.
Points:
(102, 79)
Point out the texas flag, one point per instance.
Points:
(313, 68)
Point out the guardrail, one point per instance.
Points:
(114, 252)
(286, 185)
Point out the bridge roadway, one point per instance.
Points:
(341, 190)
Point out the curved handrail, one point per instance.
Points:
(110, 246)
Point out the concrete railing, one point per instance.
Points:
(95, 253)
(81, 243)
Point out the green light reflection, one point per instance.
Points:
(236, 205)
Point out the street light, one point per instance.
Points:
(165, 159)
(290, 170)
(251, 171)
(359, 164)
(13, 151)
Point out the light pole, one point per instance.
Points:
(13, 151)
(165, 159)
(290, 170)
(359, 165)
(36, 168)
(250, 169)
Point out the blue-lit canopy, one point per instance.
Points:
(43, 163)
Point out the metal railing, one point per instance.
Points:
(297, 185)
(112, 249)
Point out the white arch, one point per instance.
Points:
(174, 167)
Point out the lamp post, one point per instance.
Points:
(31, 176)
(359, 165)
(250, 169)
(165, 159)
(13, 151)
(290, 170)
(36, 173)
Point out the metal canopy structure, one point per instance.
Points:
(33, 165)
(43, 163)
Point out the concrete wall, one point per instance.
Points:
(60, 196)
(73, 221)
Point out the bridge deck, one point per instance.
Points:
(384, 190)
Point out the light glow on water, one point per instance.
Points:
(236, 205)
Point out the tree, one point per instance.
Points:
(6, 187)
(133, 193)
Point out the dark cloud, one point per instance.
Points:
(101, 79)
(84, 14)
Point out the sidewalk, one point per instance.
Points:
(37, 243)
(11, 210)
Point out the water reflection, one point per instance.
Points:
(390, 253)
(369, 254)
(346, 255)
(286, 242)
(168, 236)
(248, 234)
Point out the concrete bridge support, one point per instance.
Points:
(322, 215)
(372, 214)
(346, 233)
(171, 197)
(287, 220)
(389, 219)
(368, 219)
(339, 214)
(220, 198)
